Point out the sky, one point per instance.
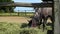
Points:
(25, 8)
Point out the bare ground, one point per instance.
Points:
(14, 19)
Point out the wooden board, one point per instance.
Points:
(26, 4)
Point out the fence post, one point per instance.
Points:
(18, 12)
(25, 13)
(57, 16)
(10, 14)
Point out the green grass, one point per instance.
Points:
(22, 14)
(14, 28)
(9, 28)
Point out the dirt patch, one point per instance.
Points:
(14, 19)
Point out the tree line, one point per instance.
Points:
(6, 9)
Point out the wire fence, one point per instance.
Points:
(24, 13)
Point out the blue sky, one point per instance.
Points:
(27, 1)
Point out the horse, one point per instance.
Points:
(40, 17)
(46, 13)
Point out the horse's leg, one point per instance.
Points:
(40, 22)
(49, 31)
(44, 22)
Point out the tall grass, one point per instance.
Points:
(14, 28)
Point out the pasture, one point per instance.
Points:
(20, 17)
(14, 19)
(17, 24)
(21, 14)
(15, 28)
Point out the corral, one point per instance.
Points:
(55, 13)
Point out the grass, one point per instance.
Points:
(14, 28)
(21, 28)
(9, 28)
(28, 14)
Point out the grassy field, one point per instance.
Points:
(15, 18)
(15, 28)
(18, 25)
(23, 14)
(11, 23)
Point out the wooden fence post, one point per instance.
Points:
(57, 16)
(18, 12)
(25, 13)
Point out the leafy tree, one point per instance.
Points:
(7, 9)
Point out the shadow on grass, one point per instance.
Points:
(23, 25)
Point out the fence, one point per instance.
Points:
(22, 13)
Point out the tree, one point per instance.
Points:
(7, 9)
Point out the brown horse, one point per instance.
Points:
(41, 13)
(46, 13)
